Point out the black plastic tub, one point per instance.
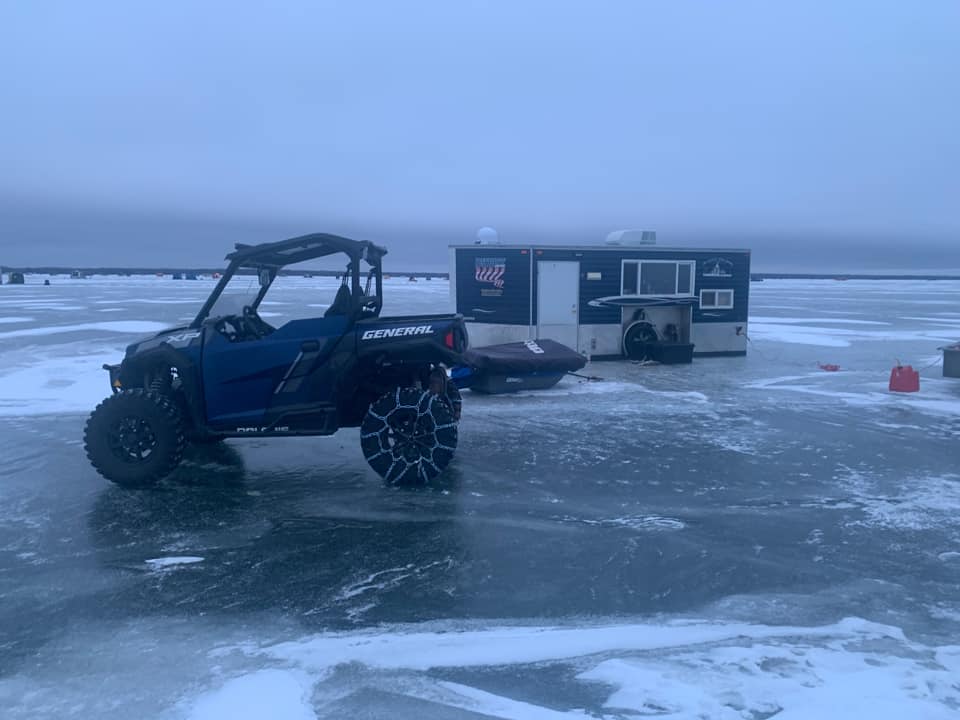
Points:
(951, 361)
(662, 352)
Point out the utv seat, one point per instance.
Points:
(342, 303)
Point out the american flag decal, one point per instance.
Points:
(490, 270)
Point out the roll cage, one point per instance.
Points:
(267, 259)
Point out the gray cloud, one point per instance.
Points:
(418, 122)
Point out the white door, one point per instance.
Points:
(558, 301)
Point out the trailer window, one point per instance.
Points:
(657, 277)
(629, 278)
(716, 299)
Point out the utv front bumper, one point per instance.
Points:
(114, 371)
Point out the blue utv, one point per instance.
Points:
(231, 374)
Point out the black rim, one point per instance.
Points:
(407, 437)
(132, 439)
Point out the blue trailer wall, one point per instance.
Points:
(493, 284)
(511, 303)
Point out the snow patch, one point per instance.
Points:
(514, 645)
(272, 693)
(766, 679)
(680, 669)
(117, 326)
(173, 560)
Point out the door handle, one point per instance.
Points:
(310, 346)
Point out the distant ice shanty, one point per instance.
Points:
(628, 297)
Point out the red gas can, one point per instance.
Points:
(903, 378)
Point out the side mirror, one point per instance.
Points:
(264, 277)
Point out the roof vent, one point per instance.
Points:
(632, 237)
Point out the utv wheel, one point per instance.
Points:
(454, 399)
(409, 436)
(134, 437)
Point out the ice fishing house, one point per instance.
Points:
(628, 297)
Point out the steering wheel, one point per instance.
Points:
(230, 328)
(252, 324)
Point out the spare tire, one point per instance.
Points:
(639, 340)
(409, 436)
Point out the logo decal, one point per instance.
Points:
(397, 332)
(182, 338)
(491, 270)
(718, 268)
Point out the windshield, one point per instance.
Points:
(240, 291)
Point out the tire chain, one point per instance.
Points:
(430, 459)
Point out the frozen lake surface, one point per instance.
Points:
(740, 538)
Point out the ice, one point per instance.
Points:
(843, 337)
(674, 542)
(488, 704)
(948, 319)
(5, 320)
(154, 301)
(143, 327)
(937, 397)
(643, 523)
(379, 580)
(676, 669)
(802, 320)
(46, 306)
(945, 407)
(911, 503)
(800, 335)
(57, 384)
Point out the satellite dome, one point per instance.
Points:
(487, 236)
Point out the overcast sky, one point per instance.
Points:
(136, 133)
